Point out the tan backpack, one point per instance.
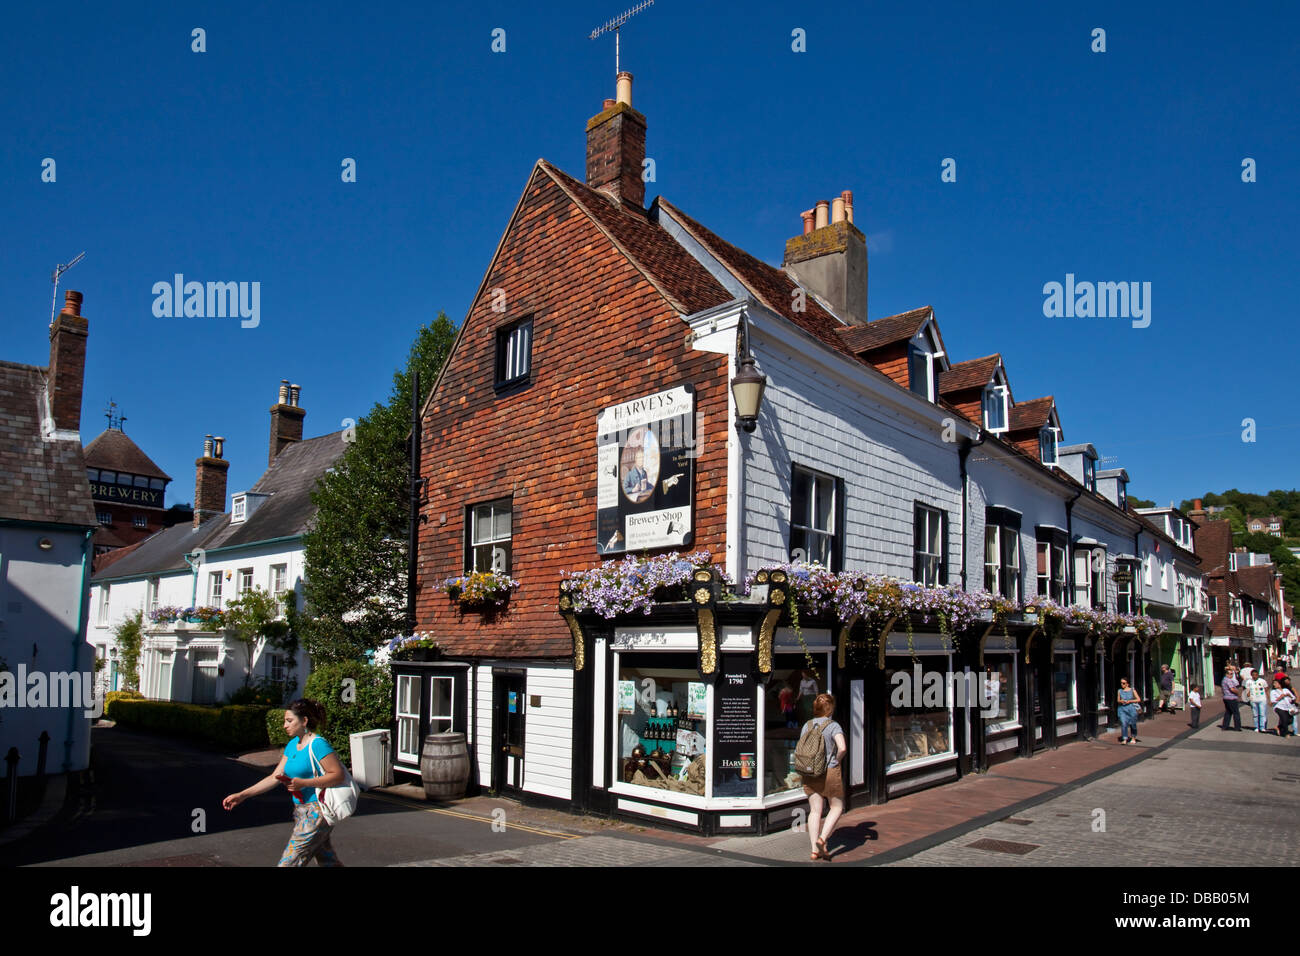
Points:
(810, 753)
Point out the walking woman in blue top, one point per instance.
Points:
(1128, 712)
(311, 834)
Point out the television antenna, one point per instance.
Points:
(614, 25)
(58, 272)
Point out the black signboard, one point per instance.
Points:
(124, 494)
(645, 472)
(735, 729)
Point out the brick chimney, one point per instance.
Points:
(67, 372)
(831, 258)
(286, 420)
(616, 148)
(210, 481)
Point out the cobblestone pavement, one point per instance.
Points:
(592, 851)
(1215, 799)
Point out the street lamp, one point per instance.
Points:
(747, 386)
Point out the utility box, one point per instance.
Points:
(372, 764)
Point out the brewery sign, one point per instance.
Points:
(645, 472)
(124, 494)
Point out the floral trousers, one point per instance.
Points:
(311, 838)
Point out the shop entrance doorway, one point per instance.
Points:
(508, 731)
(1039, 739)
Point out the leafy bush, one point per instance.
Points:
(357, 696)
(275, 728)
(263, 692)
(238, 727)
(113, 695)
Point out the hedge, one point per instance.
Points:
(239, 727)
(357, 696)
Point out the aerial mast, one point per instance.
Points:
(613, 27)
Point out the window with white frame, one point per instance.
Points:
(1047, 440)
(814, 513)
(920, 371)
(1235, 615)
(1002, 553)
(514, 358)
(1146, 570)
(140, 521)
(995, 408)
(276, 668)
(1232, 561)
(238, 509)
(1089, 577)
(1126, 589)
(929, 534)
(441, 705)
(214, 589)
(279, 576)
(1051, 566)
(489, 536)
(103, 604)
(151, 595)
(999, 691)
(243, 581)
(408, 717)
(1164, 576)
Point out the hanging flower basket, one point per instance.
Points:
(481, 589)
(414, 649)
(207, 618)
(635, 584)
(165, 615)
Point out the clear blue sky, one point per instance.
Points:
(225, 166)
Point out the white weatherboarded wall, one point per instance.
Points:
(481, 716)
(888, 457)
(548, 732)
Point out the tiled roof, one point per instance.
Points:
(40, 480)
(287, 512)
(687, 284)
(114, 451)
(1033, 414)
(1257, 581)
(974, 373)
(769, 285)
(881, 332)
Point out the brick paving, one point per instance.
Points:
(592, 851)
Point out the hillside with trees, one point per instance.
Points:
(1239, 505)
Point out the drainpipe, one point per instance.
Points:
(1069, 546)
(963, 452)
(76, 644)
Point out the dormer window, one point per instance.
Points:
(923, 355)
(239, 509)
(1089, 473)
(995, 408)
(1047, 446)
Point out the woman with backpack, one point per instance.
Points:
(821, 748)
(307, 766)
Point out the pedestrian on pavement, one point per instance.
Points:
(828, 788)
(1128, 704)
(311, 834)
(1231, 701)
(1166, 687)
(1255, 692)
(1194, 706)
(1284, 705)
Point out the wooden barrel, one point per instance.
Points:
(444, 766)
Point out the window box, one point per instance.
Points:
(481, 589)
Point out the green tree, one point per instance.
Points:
(129, 634)
(254, 617)
(356, 551)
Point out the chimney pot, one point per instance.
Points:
(72, 302)
(847, 196)
(837, 209)
(623, 88)
(207, 446)
(807, 216)
(220, 444)
(284, 391)
(609, 105)
(822, 213)
(293, 394)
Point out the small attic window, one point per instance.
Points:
(239, 509)
(995, 408)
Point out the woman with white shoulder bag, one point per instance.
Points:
(323, 791)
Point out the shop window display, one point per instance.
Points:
(924, 729)
(1063, 683)
(999, 678)
(662, 723)
(788, 706)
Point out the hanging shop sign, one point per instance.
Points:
(645, 472)
(735, 729)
